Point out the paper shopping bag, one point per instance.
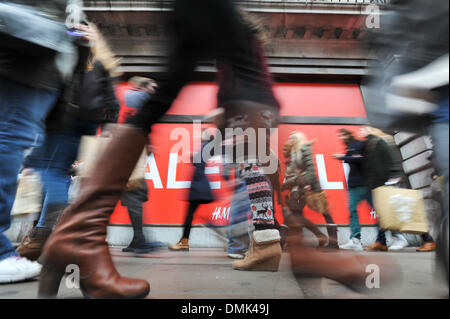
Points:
(400, 210)
(91, 148)
(29, 194)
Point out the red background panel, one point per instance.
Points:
(168, 206)
(296, 99)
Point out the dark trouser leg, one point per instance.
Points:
(427, 238)
(133, 200)
(189, 218)
(354, 199)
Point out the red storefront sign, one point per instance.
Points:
(168, 178)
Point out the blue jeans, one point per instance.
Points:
(23, 110)
(52, 160)
(238, 234)
(357, 195)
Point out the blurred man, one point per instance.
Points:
(29, 87)
(139, 92)
(357, 189)
(378, 168)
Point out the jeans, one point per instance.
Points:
(52, 160)
(238, 230)
(23, 110)
(357, 195)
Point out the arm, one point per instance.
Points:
(352, 159)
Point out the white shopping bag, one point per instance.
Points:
(29, 194)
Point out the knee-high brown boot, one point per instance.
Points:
(80, 236)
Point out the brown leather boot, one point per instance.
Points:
(377, 246)
(346, 268)
(183, 244)
(80, 237)
(427, 247)
(32, 244)
(264, 252)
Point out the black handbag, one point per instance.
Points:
(30, 31)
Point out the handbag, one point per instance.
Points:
(28, 30)
(91, 149)
(400, 210)
(29, 195)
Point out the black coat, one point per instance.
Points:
(93, 90)
(378, 163)
(356, 174)
(200, 188)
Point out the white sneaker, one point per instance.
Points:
(399, 242)
(236, 256)
(15, 268)
(354, 244)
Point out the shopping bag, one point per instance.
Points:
(400, 210)
(29, 194)
(91, 148)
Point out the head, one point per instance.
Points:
(345, 136)
(367, 130)
(298, 139)
(143, 84)
(363, 132)
(149, 86)
(100, 51)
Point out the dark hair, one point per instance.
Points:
(347, 133)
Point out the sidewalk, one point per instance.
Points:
(207, 274)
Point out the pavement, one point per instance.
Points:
(206, 273)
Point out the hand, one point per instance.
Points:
(91, 36)
(393, 181)
(308, 188)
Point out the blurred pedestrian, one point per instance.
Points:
(30, 85)
(357, 189)
(203, 29)
(139, 91)
(379, 168)
(91, 89)
(200, 193)
(412, 94)
(305, 188)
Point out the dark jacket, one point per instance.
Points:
(378, 165)
(92, 89)
(356, 174)
(200, 188)
(39, 72)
